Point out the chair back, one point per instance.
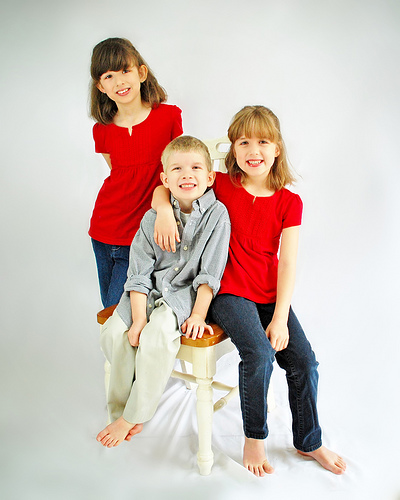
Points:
(218, 149)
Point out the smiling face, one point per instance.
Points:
(187, 177)
(255, 156)
(123, 87)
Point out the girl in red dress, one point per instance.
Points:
(133, 128)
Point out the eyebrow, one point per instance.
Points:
(195, 164)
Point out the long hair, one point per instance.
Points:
(116, 54)
(259, 121)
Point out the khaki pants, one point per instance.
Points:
(139, 374)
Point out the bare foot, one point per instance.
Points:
(115, 433)
(328, 459)
(254, 458)
(135, 430)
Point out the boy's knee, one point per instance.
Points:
(113, 331)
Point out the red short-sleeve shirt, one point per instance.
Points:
(136, 166)
(257, 224)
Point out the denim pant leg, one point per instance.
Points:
(112, 267)
(300, 364)
(239, 318)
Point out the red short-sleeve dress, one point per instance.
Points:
(136, 166)
(256, 228)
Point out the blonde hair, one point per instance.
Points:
(186, 144)
(116, 54)
(259, 121)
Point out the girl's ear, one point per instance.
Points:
(143, 71)
(100, 87)
(277, 151)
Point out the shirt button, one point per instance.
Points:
(175, 203)
(150, 306)
(185, 247)
(178, 222)
(176, 269)
(165, 289)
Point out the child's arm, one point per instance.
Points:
(277, 330)
(212, 265)
(196, 324)
(139, 318)
(108, 159)
(165, 228)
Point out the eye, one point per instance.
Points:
(107, 76)
(264, 141)
(243, 142)
(127, 70)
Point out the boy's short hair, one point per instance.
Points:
(186, 144)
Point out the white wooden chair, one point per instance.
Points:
(203, 355)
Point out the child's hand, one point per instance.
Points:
(195, 326)
(134, 332)
(278, 334)
(166, 231)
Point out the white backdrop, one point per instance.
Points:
(330, 71)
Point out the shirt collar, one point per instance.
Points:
(201, 204)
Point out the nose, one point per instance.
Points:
(255, 150)
(120, 78)
(187, 173)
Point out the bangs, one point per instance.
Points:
(113, 57)
(255, 123)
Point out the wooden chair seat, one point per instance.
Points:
(207, 340)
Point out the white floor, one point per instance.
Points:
(53, 407)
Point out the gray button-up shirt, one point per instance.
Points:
(200, 258)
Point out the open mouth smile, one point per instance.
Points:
(123, 92)
(187, 186)
(254, 163)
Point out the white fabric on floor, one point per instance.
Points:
(52, 451)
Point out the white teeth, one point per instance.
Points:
(121, 92)
(187, 185)
(254, 162)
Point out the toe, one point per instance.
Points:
(261, 472)
(267, 467)
(101, 435)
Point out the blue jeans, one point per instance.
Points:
(245, 323)
(112, 267)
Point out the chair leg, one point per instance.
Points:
(184, 370)
(205, 456)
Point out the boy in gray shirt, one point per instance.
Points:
(166, 294)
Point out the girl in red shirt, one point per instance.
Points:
(253, 304)
(133, 127)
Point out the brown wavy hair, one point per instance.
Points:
(116, 54)
(259, 121)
